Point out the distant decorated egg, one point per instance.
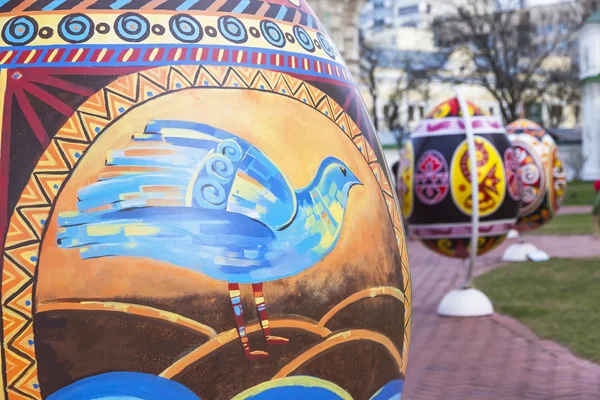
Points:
(196, 207)
(542, 173)
(434, 181)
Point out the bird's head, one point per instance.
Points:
(335, 175)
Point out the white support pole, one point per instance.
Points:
(474, 186)
(467, 301)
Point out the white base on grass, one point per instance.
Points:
(519, 252)
(465, 303)
(512, 234)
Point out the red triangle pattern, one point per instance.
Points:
(148, 89)
(37, 217)
(72, 129)
(19, 232)
(218, 72)
(117, 105)
(234, 80)
(32, 195)
(126, 86)
(282, 87)
(187, 71)
(205, 79)
(260, 82)
(29, 383)
(12, 278)
(26, 256)
(178, 81)
(51, 183)
(304, 96)
(23, 303)
(72, 151)
(96, 105)
(159, 75)
(51, 160)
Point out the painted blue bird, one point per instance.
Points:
(204, 199)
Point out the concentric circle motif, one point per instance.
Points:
(317, 44)
(290, 38)
(304, 39)
(232, 29)
(404, 183)
(272, 33)
(102, 28)
(76, 28)
(19, 31)
(327, 48)
(513, 174)
(185, 28)
(46, 32)
(558, 182)
(431, 177)
(132, 27)
(491, 178)
(532, 175)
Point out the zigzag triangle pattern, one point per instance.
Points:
(24, 238)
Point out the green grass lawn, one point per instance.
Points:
(570, 224)
(557, 299)
(579, 193)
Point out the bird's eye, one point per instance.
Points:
(343, 170)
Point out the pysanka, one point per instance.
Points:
(194, 206)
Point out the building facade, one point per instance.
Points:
(340, 18)
(590, 77)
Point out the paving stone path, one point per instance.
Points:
(564, 210)
(488, 358)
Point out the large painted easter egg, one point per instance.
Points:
(434, 181)
(195, 205)
(542, 173)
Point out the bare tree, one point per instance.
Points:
(415, 76)
(516, 54)
(563, 90)
(575, 160)
(369, 63)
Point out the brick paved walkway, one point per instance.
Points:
(488, 358)
(575, 210)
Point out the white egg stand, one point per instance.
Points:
(522, 251)
(467, 301)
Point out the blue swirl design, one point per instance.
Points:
(208, 193)
(185, 28)
(19, 31)
(273, 33)
(230, 149)
(327, 48)
(76, 28)
(132, 27)
(219, 168)
(304, 39)
(233, 29)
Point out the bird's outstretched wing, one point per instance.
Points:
(218, 243)
(186, 164)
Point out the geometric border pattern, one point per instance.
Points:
(60, 158)
(257, 8)
(166, 54)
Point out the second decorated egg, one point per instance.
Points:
(434, 181)
(542, 173)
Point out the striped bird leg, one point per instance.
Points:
(238, 312)
(259, 299)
